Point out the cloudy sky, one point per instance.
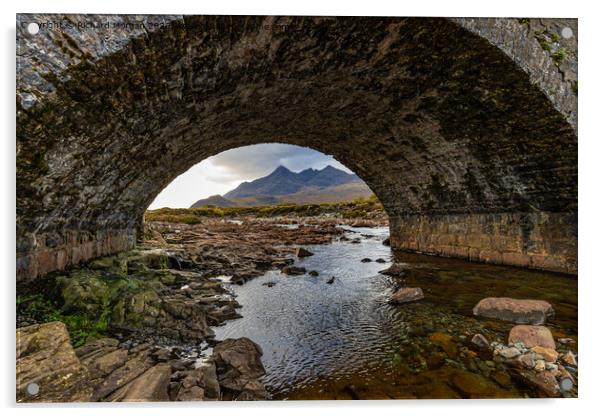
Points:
(225, 171)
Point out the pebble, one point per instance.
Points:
(540, 365)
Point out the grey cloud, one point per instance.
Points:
(251, 162)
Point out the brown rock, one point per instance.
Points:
(548, 354)
(132, 369)
(239, 366)
(445, 341)
(521, 311)
(301, 252)
(407, 294)
(396, 270)
(532, 336)
(293, 270)
(544, 382)
(569, 359)
(151, 386)
(101, 365)
(200, 384)
(46, 358)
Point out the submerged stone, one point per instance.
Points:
(407, 294)
(521, 311)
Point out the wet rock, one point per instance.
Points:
(302, 252)
(406, 294)
(380, 260)
(521, 311)
(238, 364)
(522, 361)
(473, 385)
(366, 260)
(480, 341)
(569, 359)
(314, 273)
(548, 354)
(508, 353)
(151, 386)
(565, 379)
(532, 336)
(269, 284)
(45, 357)
(446, 342)
(544, 382)
(294, 270)
(387, 241)
(502, 378)
(330, 281)
(395, 270)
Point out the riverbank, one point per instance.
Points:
(159, 302)
(289, 307)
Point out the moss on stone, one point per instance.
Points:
(559, 56)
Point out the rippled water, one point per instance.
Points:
(343, 340)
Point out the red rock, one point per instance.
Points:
(301, 252)
(521, 311)
(532, 336)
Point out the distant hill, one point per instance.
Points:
(310, 186)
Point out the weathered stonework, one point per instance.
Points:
(535, 240)
(455, 117)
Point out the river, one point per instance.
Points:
(344, 341)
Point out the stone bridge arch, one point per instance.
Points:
(464, 128)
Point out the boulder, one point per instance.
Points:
(520, 311)
(301, 252)
(238, 365)
(200, 384)
(407, 294)
(46, 359)
(151, 386)
(532, 336)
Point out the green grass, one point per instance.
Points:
(358, 208)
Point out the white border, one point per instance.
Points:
(590, 352)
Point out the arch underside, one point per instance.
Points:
(469, 157)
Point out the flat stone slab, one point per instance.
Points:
(520, 311)
(407, 294)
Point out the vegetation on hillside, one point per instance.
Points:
(358, 208)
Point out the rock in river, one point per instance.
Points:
(294, 270)
(520, 311)
(532, 336)
(407, 294)
(301, 252)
